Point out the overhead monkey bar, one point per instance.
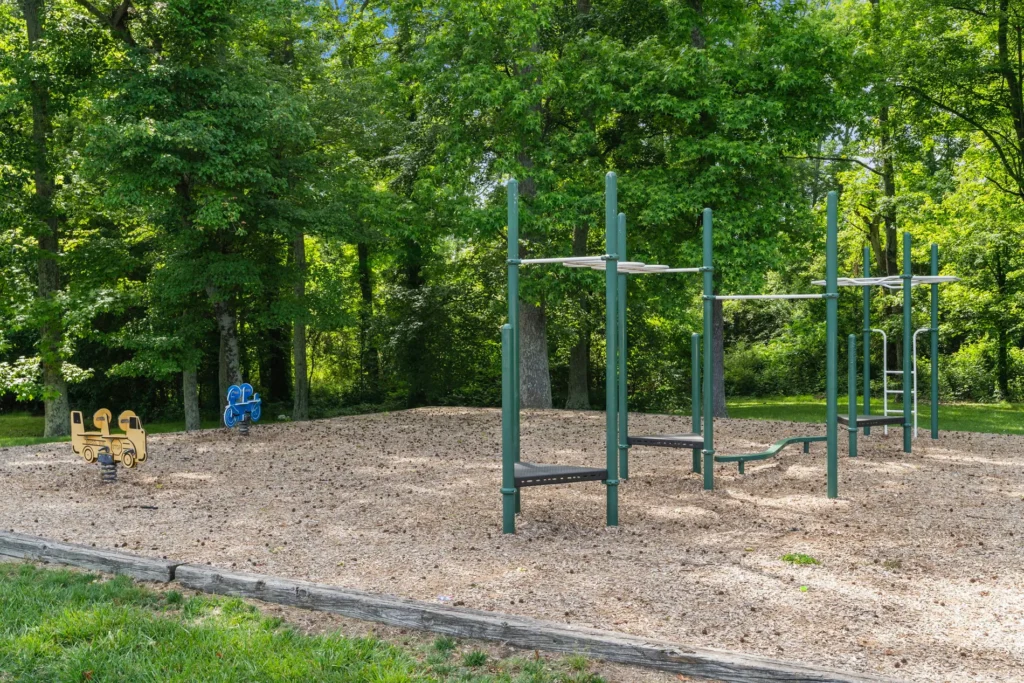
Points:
(891, 281)
(746, 297)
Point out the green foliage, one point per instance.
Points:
(192, 142)
(800, 559)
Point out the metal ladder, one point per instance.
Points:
(886, 411)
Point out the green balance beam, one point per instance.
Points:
(776, 447)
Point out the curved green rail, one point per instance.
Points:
(775, 448)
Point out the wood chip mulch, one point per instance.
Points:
(921, 573)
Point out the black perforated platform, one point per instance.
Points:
(668, 440)
(532, 474)
(872, 420)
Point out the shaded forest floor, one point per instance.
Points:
(921, 572)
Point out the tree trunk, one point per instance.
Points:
(369, 363)
(1003, 364)
(885, 153)
(889, 194)
(190, 391)
(300, 398)
(579, 365)
(230, 353)
(718, 360)
(535, 380)
(275, 368)
(51, 332)
(579, 356)
(416, 362)
(222, 373)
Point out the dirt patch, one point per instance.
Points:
(921, 572)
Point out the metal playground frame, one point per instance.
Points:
(517, 474)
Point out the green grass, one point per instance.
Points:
(22, 429)
(64, 626)
(799, 558)
(991, 418)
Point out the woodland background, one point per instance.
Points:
(309, 195)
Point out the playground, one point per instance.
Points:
(918, 573)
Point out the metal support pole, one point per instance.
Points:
(831, 325)
(611, 310)
(851, 348)
(513, 313)
(623, 358)
(867, 338)
(695, 393)
(908, 339)
(508, 459)
(709, 415)
(935, 344)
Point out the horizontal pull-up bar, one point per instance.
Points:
(890, 281)
(582, 260)
(632, 267)
(744, 297)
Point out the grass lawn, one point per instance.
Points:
(22, 429)
(65, 626)
(992, 418)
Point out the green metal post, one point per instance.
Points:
(832, 342)
(623, 357)
(908, 341)
(513, 313)
(695, 393)
(709, 416)
(508, 460)
(611, 310)
(867, 339)
(934, 334)
(851, 347)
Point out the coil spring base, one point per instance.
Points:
(108, 469)
(243, 426)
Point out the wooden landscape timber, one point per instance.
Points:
(32, 548)
(516, 631)
(521, 632)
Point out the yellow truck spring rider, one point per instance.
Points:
(128, 449)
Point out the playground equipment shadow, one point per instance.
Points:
(920, 561)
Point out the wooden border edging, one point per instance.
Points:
(36, 549)
(521, 632)
(517, 631)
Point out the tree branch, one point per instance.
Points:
(846, 159)
(989, 135)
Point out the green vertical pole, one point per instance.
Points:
(908, 341)
(709, 416)
(851, 347)
(867, 338)
(832, 342)
(513, 313)
(623, 357)
(508, 459)
(611, 286)
(695, 393)
(934, 334)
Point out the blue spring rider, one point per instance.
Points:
(244, 406)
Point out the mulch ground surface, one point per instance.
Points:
(920, 570)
